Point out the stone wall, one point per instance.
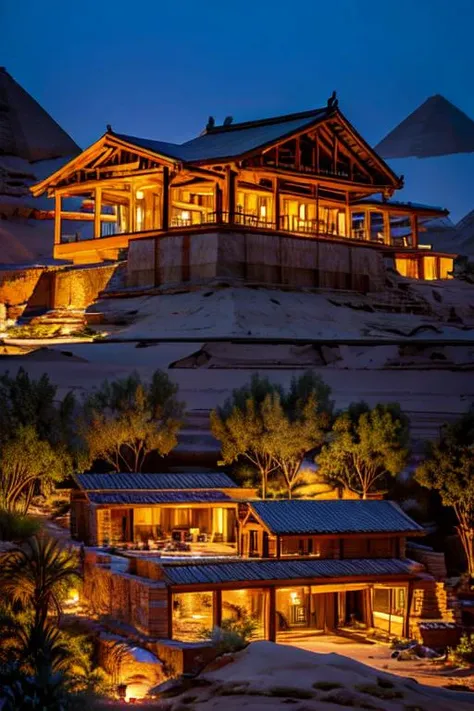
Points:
(110, 590)
(254, 258)
(31, 291)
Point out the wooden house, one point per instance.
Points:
(308, 176)
(316, 566)
(141, 508)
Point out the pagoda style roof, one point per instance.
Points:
(255, 570)
(154, 482)
(310, 516)
(232, 142)
(26, 129)
(436, 128)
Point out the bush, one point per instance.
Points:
(463, 654)
(232, 635)
(17, 528)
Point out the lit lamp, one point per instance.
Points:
(185, 215)
(139, 194)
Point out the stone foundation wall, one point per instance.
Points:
(27, 292)
(251, 257)
(136, 601)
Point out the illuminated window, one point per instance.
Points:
(429, 268)
(445, 267)
(192, 615)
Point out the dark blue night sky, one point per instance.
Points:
(159, 68)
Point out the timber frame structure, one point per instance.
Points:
(309, 175)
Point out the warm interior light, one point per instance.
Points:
(263, 211)
(140, 194)
(185, 214)
(295, 599)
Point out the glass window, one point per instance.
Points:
(192, 616)
(430, 270)
(247, 608)
(445, 267)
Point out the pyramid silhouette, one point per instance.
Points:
(436, 128)
(26, 130)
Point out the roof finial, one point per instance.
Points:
(228, 120)
(333, 101)
(211, 122)
(109, 128)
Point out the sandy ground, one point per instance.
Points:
(267, 675)
(378, 657)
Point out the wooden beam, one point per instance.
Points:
(57, 218)
(218, 202)
(165, 209)
(414, 230)
(97, 212)
(387, 235)
(231, 182)
(276, 203)
(271, 623)
(217, 608)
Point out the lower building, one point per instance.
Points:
(300, 567)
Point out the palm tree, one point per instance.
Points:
(37, 575)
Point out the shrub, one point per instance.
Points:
(463, 654)
(16, 527)
(232, 635)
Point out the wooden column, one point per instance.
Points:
(414, 230)
(271, 622)
(386, 228)
(165, 208)
(348, 218)
(406, 613)
(217, 608)
(97, 212)
(229, 207)
(276, 203)
(366, 214)
(316, 190)
(298, 153)
(170, 614)
(133, 210)
(218, 203)
(57, 218)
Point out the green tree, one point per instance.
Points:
(37, 442)
(241, 427)
(27, 461)
(126, 420)
(273, 428)
(366, 446)
(299, 422)
(449, 469)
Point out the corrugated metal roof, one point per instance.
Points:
(234, 140)
(241, 571)
(300, 516)
(157, 497)
(163, 482)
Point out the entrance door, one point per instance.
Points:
(351, 608)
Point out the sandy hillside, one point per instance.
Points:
(271, 676)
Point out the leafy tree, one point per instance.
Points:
(126, 419)
(37, 444)
(449, 469)
(26, 461)
(299, 423)
(365, 447)
(240, 426)
(273, 428)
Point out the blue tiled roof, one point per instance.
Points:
(234, 140)
(156, 482)
(157, 497)
(252, 570)
(307, 516)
